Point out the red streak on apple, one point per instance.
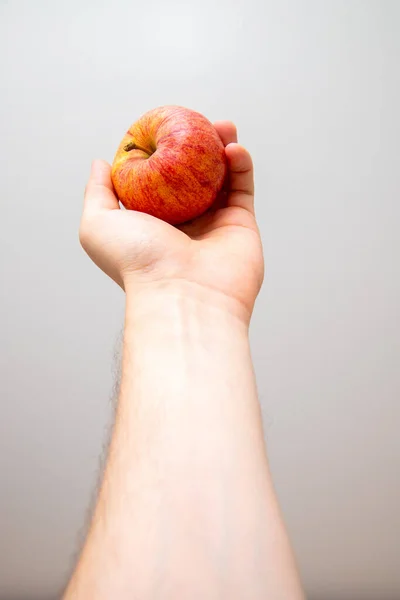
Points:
(170, 164)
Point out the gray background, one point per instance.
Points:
(314, 89)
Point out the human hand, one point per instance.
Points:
(220, 252)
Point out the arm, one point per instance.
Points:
(187, 507)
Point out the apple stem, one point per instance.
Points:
(133, 146)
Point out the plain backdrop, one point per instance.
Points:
(314, 88)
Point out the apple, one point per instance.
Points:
(170, 164)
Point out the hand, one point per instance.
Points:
(219, 252)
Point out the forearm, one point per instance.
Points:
(187, 508)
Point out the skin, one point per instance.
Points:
(187, 507)
(170, 164)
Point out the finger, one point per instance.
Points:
(227, 131)
(99, 192)
(241, 188)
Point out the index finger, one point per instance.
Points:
(227, 131)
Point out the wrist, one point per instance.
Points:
(185, 303)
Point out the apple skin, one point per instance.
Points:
(170, 164)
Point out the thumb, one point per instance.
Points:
(99, 192)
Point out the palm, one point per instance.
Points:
(228, 252)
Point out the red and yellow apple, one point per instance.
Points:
(170, 164)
